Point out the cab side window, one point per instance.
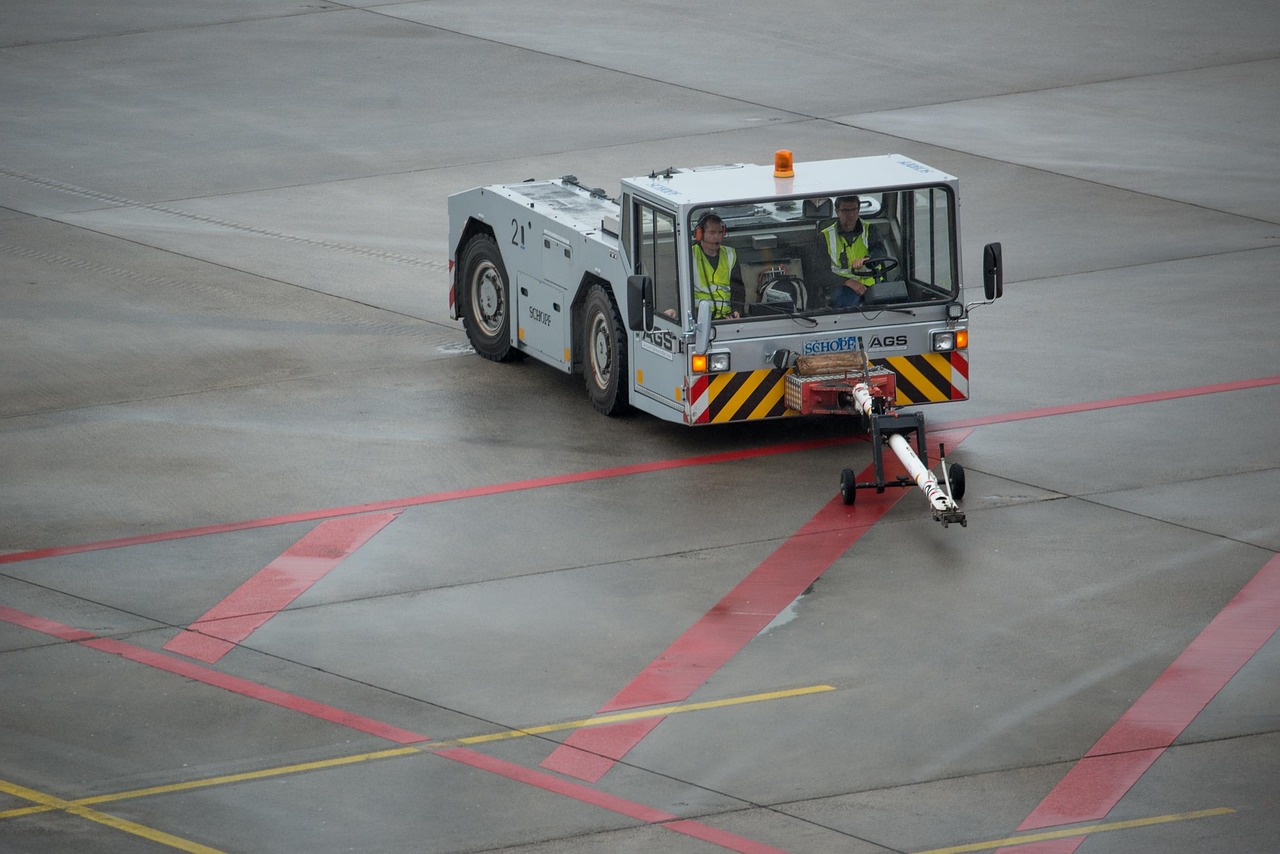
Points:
(656, 257)
(932, 261)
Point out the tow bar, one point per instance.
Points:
(847, 383)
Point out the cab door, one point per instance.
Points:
(658, 357)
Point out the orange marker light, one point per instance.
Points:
(962, 339)
(699, 363)
(782, 165)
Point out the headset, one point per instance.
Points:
(702, 221)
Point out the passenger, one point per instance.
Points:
(848, 247)
(716, 275)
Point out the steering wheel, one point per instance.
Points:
(879, 267)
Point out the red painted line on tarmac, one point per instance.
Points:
(276, 585)
(429, 498)
(397, 735)
(602, 474)
(1130, 400)
(200, 673)
(590, 753)
(1096, 783)
(251, 690)
(43, 626)
(604, 800)
(683, 667)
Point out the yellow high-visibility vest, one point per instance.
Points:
(712, 282)
(843, 252)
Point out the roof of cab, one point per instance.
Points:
(747, 181)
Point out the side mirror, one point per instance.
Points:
(992, 271)
(702, 331)
(640, 303)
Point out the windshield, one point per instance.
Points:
(830, 254)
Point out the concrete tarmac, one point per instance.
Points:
(225, 352)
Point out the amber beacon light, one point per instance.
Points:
(782, 167)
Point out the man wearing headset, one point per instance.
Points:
(716, 275)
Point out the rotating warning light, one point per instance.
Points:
(782, 165)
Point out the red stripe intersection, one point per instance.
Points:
(683, 667)
(276, 585)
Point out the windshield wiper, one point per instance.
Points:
(803, 319)
(864, 308)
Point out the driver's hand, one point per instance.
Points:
(861, 262)
(856, 286)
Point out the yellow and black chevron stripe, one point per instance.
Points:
(755, 395)
(739, 396)
(929, 377)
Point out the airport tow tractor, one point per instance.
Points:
(604, 288)
(612, 290)
(848, 383)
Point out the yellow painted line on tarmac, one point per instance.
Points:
(223, 780)
(623, 717)
(1029, 838)
(45, 803)
(53, 803)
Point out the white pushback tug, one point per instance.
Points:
(604, 287)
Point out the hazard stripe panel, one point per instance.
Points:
(738, 396)
(930, 377)
(755, 395)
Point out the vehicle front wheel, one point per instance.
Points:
(955, 474)
(486, 299)
(605, 364)
(848, 486)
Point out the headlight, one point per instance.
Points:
(950, 339)
(719, 362)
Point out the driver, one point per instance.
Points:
(849, 246)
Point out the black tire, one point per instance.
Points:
(848, 486)
(604, 361)
(486, 299)
(955, 474)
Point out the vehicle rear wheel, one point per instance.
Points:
(605, 364)
(486, 299)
